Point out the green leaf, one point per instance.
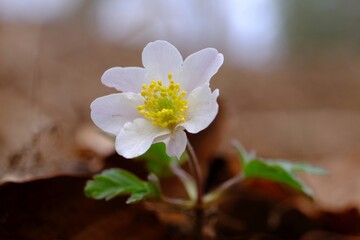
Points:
(136, 197)
(158, 162)
(302, 167)
(114, 182)
(261, 169)
(276, 170)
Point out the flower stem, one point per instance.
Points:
(174, 202)
(218, 192)
(196, 171)
(186, 180)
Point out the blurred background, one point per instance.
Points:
(289, 85)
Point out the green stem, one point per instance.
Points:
(186, 179)
(174, 202)
(198, 210)
(216, 194)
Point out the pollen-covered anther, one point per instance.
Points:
(164, 106)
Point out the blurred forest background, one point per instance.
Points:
(289, 86)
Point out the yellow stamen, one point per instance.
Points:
(163, 106)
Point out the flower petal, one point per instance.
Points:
(127, 79)
(198, 68)
(176, 143)
(136, 137)
(161, 58)
(202, 109)
(111, 112)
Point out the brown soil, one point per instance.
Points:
(56, 208)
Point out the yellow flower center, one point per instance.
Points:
(163, 106)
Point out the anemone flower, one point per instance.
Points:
(159, 102)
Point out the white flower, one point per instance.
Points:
(159, 102)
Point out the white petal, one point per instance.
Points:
(176, 143)
(136, 137)
(127, 79)
(202, 109)
(198, 68)
(161, 58)
(111, 112)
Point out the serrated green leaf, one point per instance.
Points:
(158, 162)
(115, 182)
(280, 171)
(261, 169)
(295, 167)
(136, 197)
(303, 167)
